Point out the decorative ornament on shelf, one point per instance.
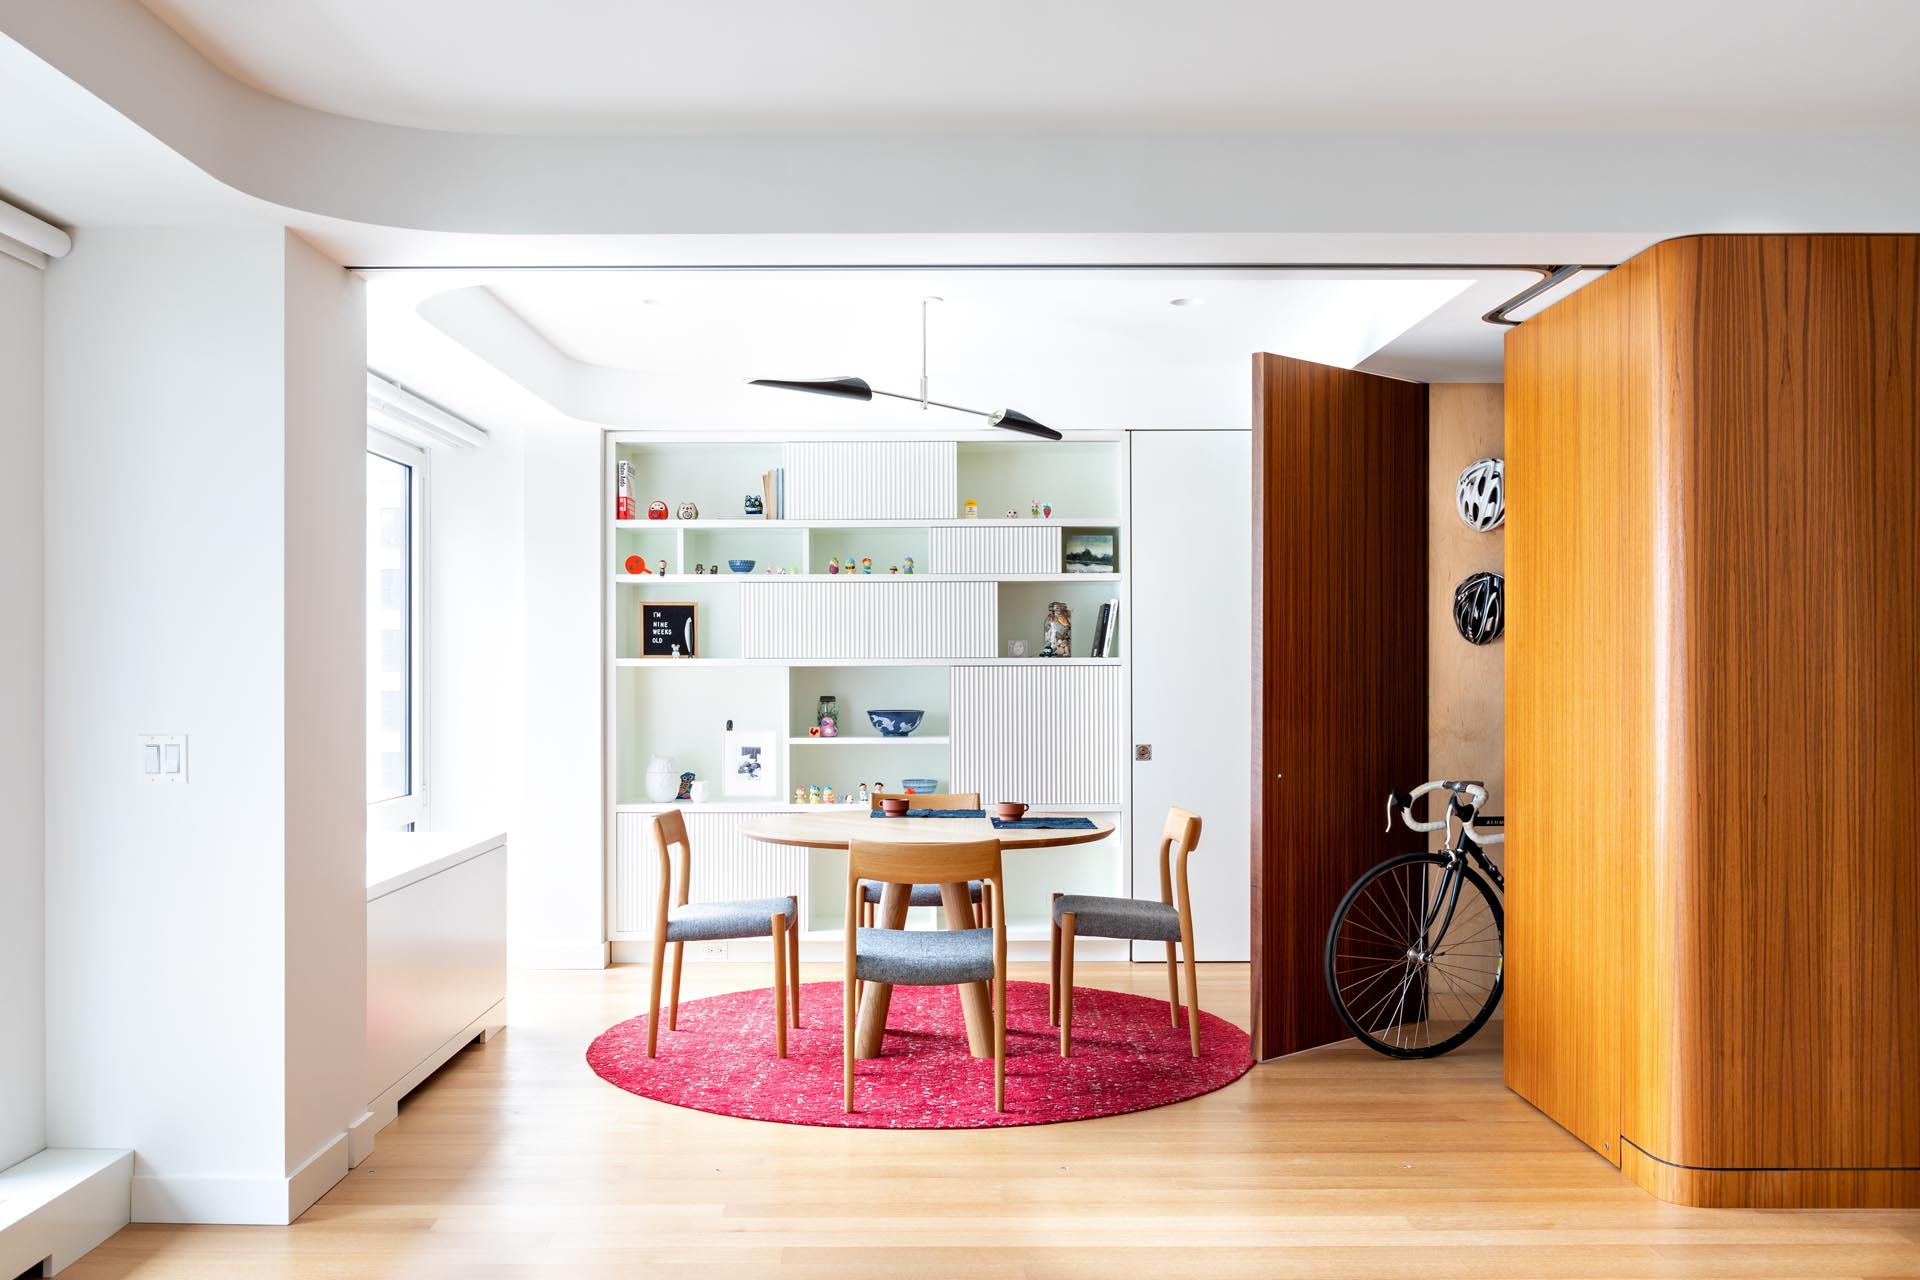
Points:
(908, 570)
(656, 510)
(1016, 648)
(813, 731)
(866, 798)
(1012, 514)
(1046, 511)
(1034, 507)
(663, 568)
(893, 568)
(833, 565)
(700, 791)
(826, 797)
(753, 507)
(1481, 495)
(713, 569)
(1059, 631)
(826, 707)
(660, 779)
(637, 565)
(699, 569)
(971, 511)
(1480, 608)
(686, 787)
(829, 727)
(688, 511)
(799, 795)
(866, 564)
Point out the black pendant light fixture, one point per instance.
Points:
(860, 389)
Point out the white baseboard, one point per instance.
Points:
(385, 1109)
(360, 1136)
(261, 1202)
(58, 1204)
(557, 955)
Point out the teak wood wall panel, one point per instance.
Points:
(1340, 663)
(1756, 782)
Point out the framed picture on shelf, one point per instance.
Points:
(668, 628)
(747, 763)
(1089, 553)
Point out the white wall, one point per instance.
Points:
(22, 843)
(197, 496)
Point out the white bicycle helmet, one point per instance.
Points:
(1481, 497)
(1480, 607)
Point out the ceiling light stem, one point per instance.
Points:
(923, 355)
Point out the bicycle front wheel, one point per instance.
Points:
(1412, 974)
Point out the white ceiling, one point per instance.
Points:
(1078, 350)
(1205, 66)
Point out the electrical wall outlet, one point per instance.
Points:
(713, 951)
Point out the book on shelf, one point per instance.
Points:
(1107, 643)
(1100, 632)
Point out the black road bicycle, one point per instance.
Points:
(1415, 953)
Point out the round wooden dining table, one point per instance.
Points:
(839, 830)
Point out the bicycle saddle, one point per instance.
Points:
(1460, 788)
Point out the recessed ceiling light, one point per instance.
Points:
(1186, 302)
(653, 302)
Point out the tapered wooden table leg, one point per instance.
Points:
(975, 999)
(894, 899)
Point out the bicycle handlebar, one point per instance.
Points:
(1473, 790)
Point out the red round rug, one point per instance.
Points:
(1125, 1058)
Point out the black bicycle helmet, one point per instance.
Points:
(1480, 497)
(1480, 607)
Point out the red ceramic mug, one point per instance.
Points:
(894, 806)
(1009, 810)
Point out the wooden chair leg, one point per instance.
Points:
(848, 1015)
(866, 922)
(679, 964)
(793, 969)
(653, 1001)
(1053, 965)
(1066, 985)
(1000, 1040)
(1193, 990)
(780, 985)
(1173, 987)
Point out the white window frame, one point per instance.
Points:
(410, 811)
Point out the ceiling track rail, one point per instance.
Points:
(1554, 278)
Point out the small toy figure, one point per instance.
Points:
(827, 798)
(893, 568)
(866, 564)
(813, 794)
(753, 505)
(656, 510)
(1012, 514)
(676, 651)
(865, 798)
(833, 565)
(663, 568)
(971, 511)
(909, 569)
(714, 569)
(1046, 510)
(1035, 502)
(699, 568)
(686, 787)
(813, 731)
(799, 796)
(688, 511)
(828, 729)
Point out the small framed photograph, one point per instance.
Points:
(668, 628)
(748, 763)
(1089, 553)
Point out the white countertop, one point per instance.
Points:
(397, 859)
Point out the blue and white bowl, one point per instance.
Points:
(740, 566)
(920, 786)
(895, 724)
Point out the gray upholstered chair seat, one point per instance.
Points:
(1119, 917)
(740, 918)
(930, 958)
(924, 895)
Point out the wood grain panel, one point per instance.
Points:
(1340, 663)
(1578, 476)
(1741, 694)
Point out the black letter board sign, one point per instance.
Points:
(664, 624)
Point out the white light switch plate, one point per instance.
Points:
(163, 757)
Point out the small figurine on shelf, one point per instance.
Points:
(813, 794)
(686, 787)
(971, 511)
(866, 564)
(908, 570)
(833, 565)
(813, 731)
(1012, 514)
(663, 568)
(827, 797)
(676, 651)
(753, 507)
(799, 796)
(1035, 507)
(1016, 648)
(865, 797)
(828, 728)
(1059, 631)
(699, 568)
(656, 510)
(714, 569)
(893, 568)
(688, 511)
(1046, 510)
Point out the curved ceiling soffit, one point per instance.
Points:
(591, 184)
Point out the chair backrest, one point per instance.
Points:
(1182, 832)
(669, 829)
(888, 863)
(932, 800)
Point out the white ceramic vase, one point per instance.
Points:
(662, 782)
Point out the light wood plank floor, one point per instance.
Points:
(518, 1161)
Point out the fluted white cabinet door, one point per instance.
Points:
(865, 617)
(871, 479)
(994, 548)
(1039, 733)
(725, 865)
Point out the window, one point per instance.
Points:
(396, 636)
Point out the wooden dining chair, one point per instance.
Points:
(928, 895)
(932, 958)
(680, 922)
(1169, 920)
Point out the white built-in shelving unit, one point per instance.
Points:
(1049, 731)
